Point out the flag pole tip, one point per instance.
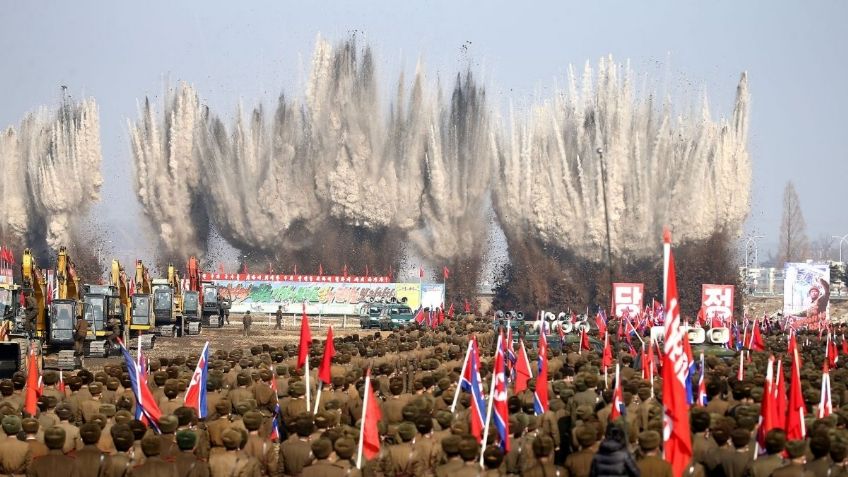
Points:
(666, 234)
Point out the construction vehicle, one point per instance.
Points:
(168, 304)
(64, 310)
(206, 296)
(141, 309)
(34, 284)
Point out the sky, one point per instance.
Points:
(248, 52)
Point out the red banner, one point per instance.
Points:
(627, 297)
(717, 302)
(267, 277)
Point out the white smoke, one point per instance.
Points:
(52, 172)
(689, 172)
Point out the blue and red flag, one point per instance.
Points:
(702, 385)
(475, 387)
(501, 412)
(540, 397)
(275, 424)
(195, 396)
(146, 409)
(618, 407)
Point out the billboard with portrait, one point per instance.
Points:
(806, 294)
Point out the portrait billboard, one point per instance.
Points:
(806, 294)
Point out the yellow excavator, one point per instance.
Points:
(34, 285)
(65, 308)
(104, 305)
(168, 304)
(141, 307)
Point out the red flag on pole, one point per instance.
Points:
(584, 341)
(757, 343)
(451, 311)
(540, 399)
(768, 409)
(33, 376)
(467, 306)
(522, 369)
(320, 270)
(678, 439)
(602, 325)
(618, 408)
(606, 359)
(344, 271)
(780, 396)
(445, 273)
(825, 404)
(327, 360)
(795, 427)
(420, 272)
(844, 346)
(369, 432)
(305, 340)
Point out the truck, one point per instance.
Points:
(385, 316)
(168, 304)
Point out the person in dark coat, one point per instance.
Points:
(613, 459)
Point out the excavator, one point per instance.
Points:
(201, 300)
(168, 304)
(101, 305)
(35, 285)
(65, 308)
(141, 309)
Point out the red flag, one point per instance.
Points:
(244, 268)
(522, 369)
(618, 408)
(420, 272)
(678, 439)
(33, 377)
(795, 428)
(793, 344)
(305, 340)
(757, 343)
(844, 345)
(441, 316)
(467, 306)
(702, 318)
(419, 316)
(606, 359)
(327, 360)
(369, 434)
(602, 325)
(780, 397)
(831, 352)
(540, 401)
(584, 341)
(825, 404)
(445, 273)
(768, 409)
(450, 311)
(367, 274)
(61, 385)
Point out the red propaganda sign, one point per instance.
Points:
(717, 302)
(627, 297)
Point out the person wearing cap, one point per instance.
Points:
(295, 404)
(233, 462)
(399, 458)
(30, 427)
(258, 447)
(47, 416)
(246, 321)
(578, 464)
(72, 439)
(450, 446)
(819, 444)
(55, 463)
(91, 406)
(650, 464)
(543, 449)
(80, 333)
(168, 442)
(296, 453)
(188, 464)
(88, 460)
(775, 443)
(469, 451)
(738, 462)
(279, 316)
(243, 391)
(172, 400)
(428, 452)
(50, 378)
(266, 398)
(493, 457)
(797, 453)
(154, 465)
(322, 466)
(15, 455)
(119, 463)
(345, 448)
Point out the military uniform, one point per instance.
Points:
(578, 464)
(247, 321)
(80, 332)
(764, 466)
(653, 466)
(295, 454)
(155, 466)
(15, 455)
(189, 465)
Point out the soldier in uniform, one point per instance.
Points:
(36, 447)
(257, 447)
(15, 455)
(30, 315)
(543, 448)
(247, 320)
(775, 444)
(738, 463)
(55, 463)
(154, 465)
(399, 459)
(796, 451)
(820, 449)
(119, 464)
(450, 446)
(80, 332)
(650, 464)
(493, 457)
(188, 464)
(114, 332)
(578, 464)
(279, 316)
(89, 460)
(233, 463)
(345, 447)
(296, 452)
(469, 451)
(322, 466)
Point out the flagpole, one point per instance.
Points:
(362, 420)
(318, 397)
(461, 374)
(489, 408)
(308, 391)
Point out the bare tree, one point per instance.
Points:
(822, 248)
(793, 235)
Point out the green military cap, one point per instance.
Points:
(493, 457)
(407, 431)
(100, 420)
(224, 406)
(252, 420)
(90, 433)
(6, 387)
(242, 408)
(444, 418)
(138, 429)
(586, 436)
(231, 438)
(469, 449)
(95, 388)
(122, 437)
(54, 438)
(243, 379)
(108, 410)
(796, 449)
(332, 405)
(186, 439)
(322, 448)
(304, 426)
(543, 446)
(338, 381)
(64, 411)
(11, 425)
(584, 412)
(345, 447)
(450, 445)
(410, 412)
(185, 415)
(151, 445)
(297, 389)
(112, 384)
(775, 441)
(322, 420)
(649, 440)
(50, 377)
(168, 424)
(265, 375)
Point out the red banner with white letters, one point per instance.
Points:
(717, 303)
(627, 298)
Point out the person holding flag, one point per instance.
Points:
(195, 395)
(369, 432)
(497, 401)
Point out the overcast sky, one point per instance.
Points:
(118, 52)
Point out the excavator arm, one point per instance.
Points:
(34, 283)
(119, 281)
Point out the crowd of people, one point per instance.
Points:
(258, 422)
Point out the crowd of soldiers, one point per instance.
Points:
(90, 427)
